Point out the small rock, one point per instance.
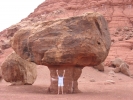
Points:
(127, 37)
(116, 32)
(126, 29)
(92, 80)
(120, 79)
(124, 68)
(116, 70)
(111, 73)
(112, 40)
(109, 82)
(100, 67)
(118, 29)
(116, 62)
(120, 39)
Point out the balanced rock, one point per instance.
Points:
(64, 43)
(18, 71)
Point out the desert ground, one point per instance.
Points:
(94, 85)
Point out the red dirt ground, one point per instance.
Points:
(92, 83)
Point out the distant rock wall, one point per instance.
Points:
(118, 13)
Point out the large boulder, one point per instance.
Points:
(18, 71)
(82, 40)
(67, 43)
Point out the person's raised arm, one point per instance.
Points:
(57, 73)
(64, 73)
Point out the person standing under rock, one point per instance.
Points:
(60, 81)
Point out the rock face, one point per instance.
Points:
(65, 44)
(5, 44)
(82, 40)
(118, 13)
(18, 71)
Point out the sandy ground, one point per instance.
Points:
(94, 85)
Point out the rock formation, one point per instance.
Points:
(120, 66)
(100, 67)
(18, 71)
(64, 44)
(5, 44)
(118, 13)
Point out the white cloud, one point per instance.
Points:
(12, 11)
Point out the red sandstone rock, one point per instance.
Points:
(117, 70)
(65, 44)
(117, 12)
(116, 62)
(124, 68)
(100, 67)
(18, 71)
(120, 66)
(82, 40)
(5, 44)
(11, 30)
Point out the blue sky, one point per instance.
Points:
(12, 11)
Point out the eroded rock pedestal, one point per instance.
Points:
(72, 73)
(64, 44)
